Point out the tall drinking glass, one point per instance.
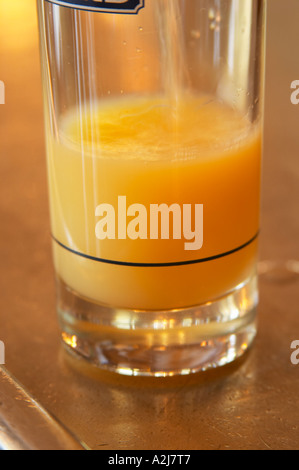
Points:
(153, 112)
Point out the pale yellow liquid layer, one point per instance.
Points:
(154, 151)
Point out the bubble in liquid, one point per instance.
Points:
(125, 43)
(215, 19)
(212, 14)
(141, 29)
(195, 34)
(138, 50)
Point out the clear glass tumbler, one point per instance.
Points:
(154, 115)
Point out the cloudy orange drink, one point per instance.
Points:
(155, 205)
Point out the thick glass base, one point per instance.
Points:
(160, 343)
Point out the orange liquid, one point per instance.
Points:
(196, 152)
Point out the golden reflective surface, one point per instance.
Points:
(251, 405)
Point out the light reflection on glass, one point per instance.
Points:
(71, 341)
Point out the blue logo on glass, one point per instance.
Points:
(104, 6)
